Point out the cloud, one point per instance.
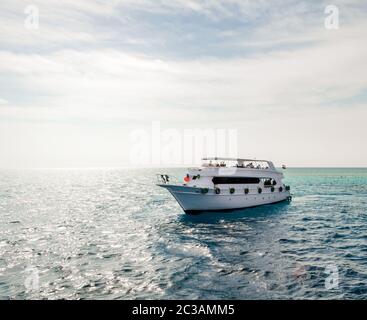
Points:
(237, 64)
(318, 76)
(3, 101)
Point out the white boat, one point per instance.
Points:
(227, 184)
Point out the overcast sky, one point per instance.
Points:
(73, 89)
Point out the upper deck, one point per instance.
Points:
(238, 163)
(232, 168)
(216, 166)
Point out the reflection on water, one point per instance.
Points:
(112, 234)
(237, 215)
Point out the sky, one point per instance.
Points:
(77, 83)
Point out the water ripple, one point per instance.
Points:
(112, 234)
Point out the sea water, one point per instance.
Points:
(112, 234)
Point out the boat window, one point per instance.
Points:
(235, 180)
(268, 182)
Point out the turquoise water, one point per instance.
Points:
(112, 234)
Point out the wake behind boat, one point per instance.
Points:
(228, 184)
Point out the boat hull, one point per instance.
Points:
(193, 201)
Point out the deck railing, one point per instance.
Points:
(163, 178)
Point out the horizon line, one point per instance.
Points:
(165, 167)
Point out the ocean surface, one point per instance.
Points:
(112, 234)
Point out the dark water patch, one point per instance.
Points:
(287, 240)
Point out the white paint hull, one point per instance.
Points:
(192, 200)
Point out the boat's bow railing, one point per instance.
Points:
(163, 178)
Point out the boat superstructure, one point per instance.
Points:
(228, 184)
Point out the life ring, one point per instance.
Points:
(204, 190)
(280, 189)
(259, 190)
(231, 191)
(217, 190)
(246, 190)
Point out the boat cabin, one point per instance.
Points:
(234, 173)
